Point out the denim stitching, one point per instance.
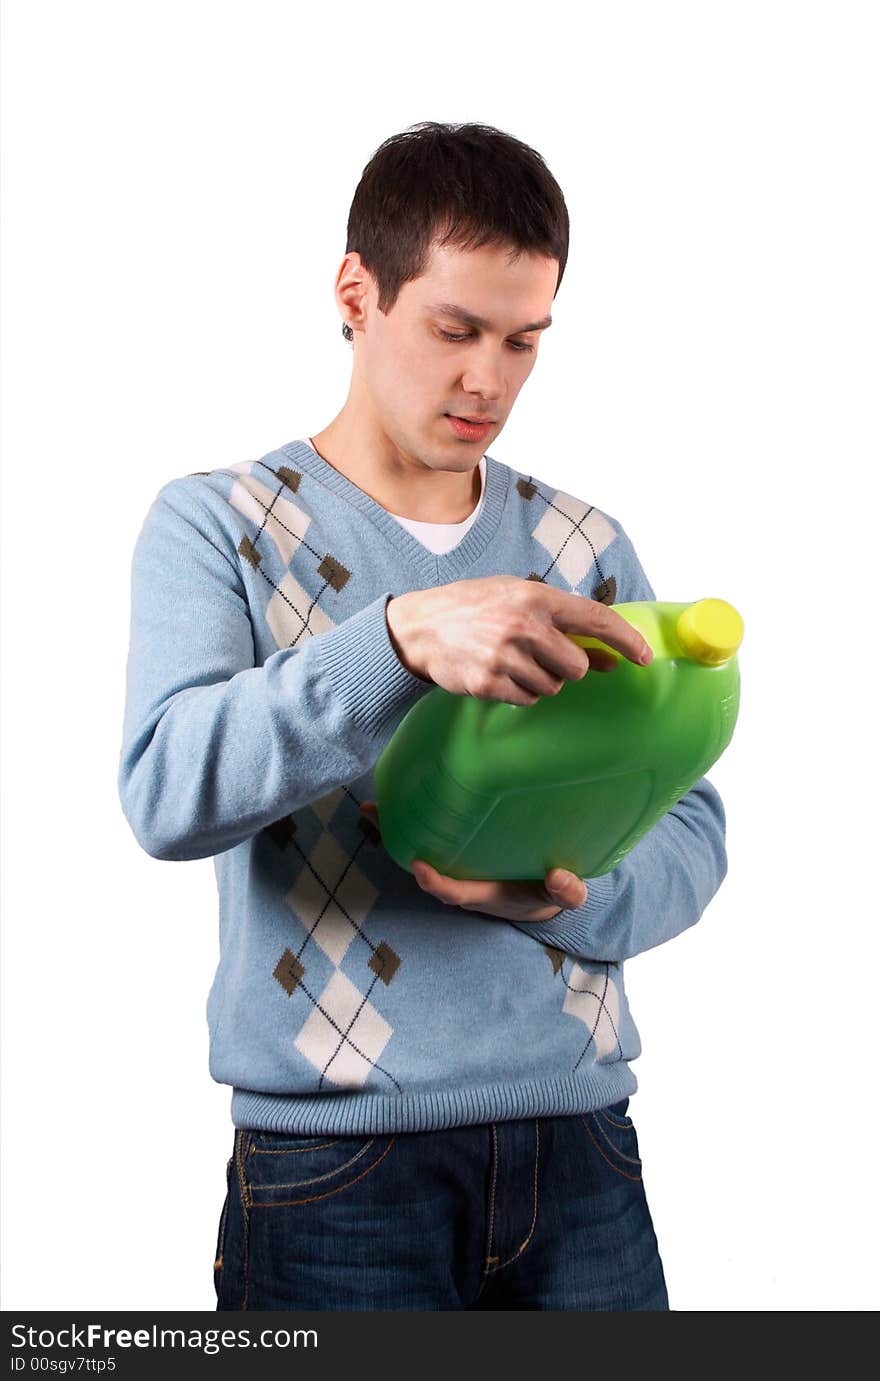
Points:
(634, 1160)
(489, 1258)
(221, 1236)
(608, 1118)
(524, 1244)
(316, 1179)
(287, 1203)
(245, 1193)
(291, 1150)
(616, 1168)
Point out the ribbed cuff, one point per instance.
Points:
(573, 930)
(365, 672)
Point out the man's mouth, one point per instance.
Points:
(466, 429)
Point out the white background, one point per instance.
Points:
(177, 178)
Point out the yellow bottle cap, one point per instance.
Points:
(710, 631)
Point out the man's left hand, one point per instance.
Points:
(512, 901)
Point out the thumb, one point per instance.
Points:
(565, 887)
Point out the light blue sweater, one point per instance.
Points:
(262, 686)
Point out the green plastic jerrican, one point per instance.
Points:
(484, 789)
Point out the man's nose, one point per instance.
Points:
(485, 374)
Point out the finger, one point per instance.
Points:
(525, 901)
(472, 893)
(451, 890)
(585, 620)
(558, 664)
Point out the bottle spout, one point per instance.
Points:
(710, 631)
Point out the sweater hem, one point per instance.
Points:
(356, 1114)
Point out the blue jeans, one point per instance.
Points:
(541, 1213)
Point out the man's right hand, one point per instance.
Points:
(500, 637)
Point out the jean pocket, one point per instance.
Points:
(613, 1135)
(283, 1168)
(615, 1115)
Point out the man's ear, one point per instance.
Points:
(352, 289)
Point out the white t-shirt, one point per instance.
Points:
(437, 537)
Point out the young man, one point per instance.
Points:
(430, 1077)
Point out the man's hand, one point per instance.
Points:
(512, 901)
(499, 637)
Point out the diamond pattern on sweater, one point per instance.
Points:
(574, 534)
(288, 971)
(592, 997)
(334, 572)
(331, 897)
(606, 591)
(247, 549)
(557, 957)
(289, 477)
(345, 1034)
(293, 615)
(284, 521)
(384, 962)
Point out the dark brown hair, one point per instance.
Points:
(467, 185)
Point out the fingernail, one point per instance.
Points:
(646, 656)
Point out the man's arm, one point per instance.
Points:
(664, 883)
(660, 888)
(215, 748)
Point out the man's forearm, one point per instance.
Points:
(215, 748)
(660, 888)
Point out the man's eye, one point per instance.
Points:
(514, 345)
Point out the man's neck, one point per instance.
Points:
(405, 488)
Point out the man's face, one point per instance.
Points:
(416, 376)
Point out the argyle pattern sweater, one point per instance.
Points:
(261, 687)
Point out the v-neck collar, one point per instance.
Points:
(432, 566)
